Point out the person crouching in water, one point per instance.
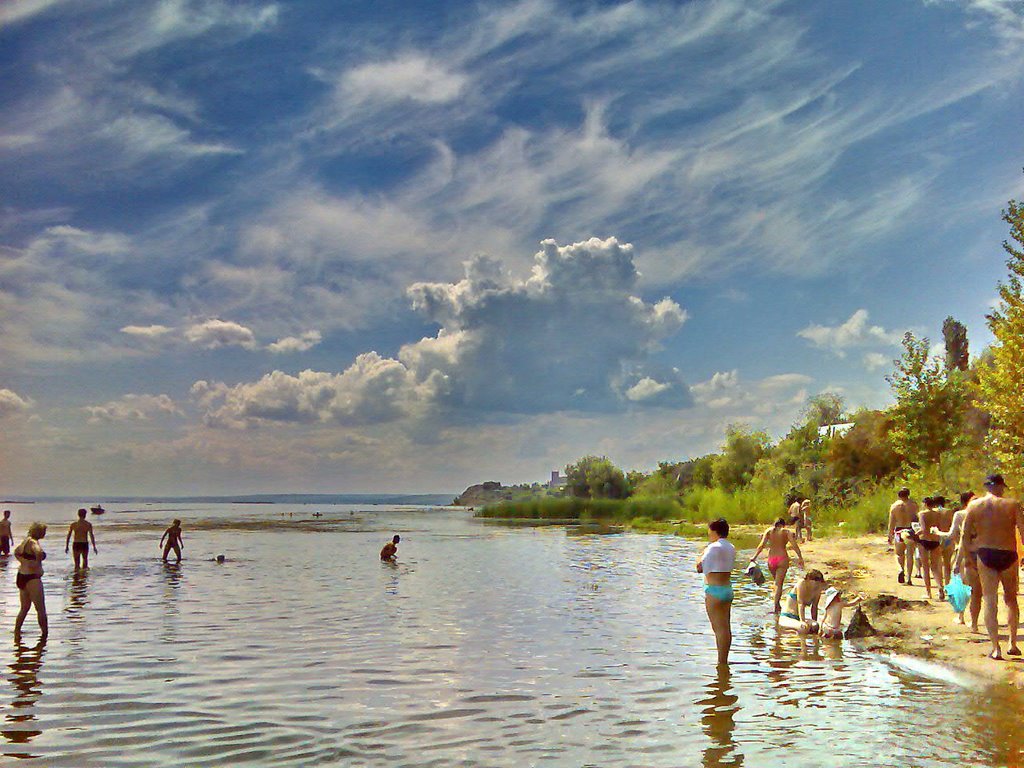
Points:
(832, 625)
(778, 540)
(807, 592)
(390, 550)
(30, 556)
(716, 563)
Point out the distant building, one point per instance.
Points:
(557, 481)
(835, 430)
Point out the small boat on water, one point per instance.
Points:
(97, 510)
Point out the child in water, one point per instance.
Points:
(832, 624)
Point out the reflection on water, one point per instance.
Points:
(20, 725)
(482, 646)
(719, 707)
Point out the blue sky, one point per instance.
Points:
(368, 246)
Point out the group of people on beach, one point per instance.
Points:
(718, 559)
(30, 556)
(979, 541)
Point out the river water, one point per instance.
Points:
(485, 646)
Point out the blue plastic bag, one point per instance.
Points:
(957, 593)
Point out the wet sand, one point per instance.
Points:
(906, 620)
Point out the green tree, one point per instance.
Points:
(1000, 383)
(954, 333)
(929, 411)
(824, 409)
(865, 452)
(734, 467)
(595, 477)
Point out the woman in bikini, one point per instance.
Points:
(928, 542)
(30, 556)
(807, 592)
(716, 563)
(778, 539)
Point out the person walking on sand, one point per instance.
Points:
(174, 541)
(930, 520)
(716, 563)
(390, 550)
(992, 524)
(946, 543)
(81, 529)
(902, 516)
(805, 518)
(6, 537)
(30, 556)
(778, 539)
(965, 562)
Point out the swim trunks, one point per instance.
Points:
(996, 559)
(22, 579)
(928, 544)
(80, 547)
(5, 547)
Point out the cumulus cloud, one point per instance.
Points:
(572, 335)
(855, 332)
(413, 77)
(215, 333)
(300, 343)
(725, 392)
(12, 403)
(875, 360)
(133, 408)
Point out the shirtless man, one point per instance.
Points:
(805, 517)
(6, 537)
(928, 540)
(778, 538)
(991, 524)
(81, 529)
(796, 516)
(174, 541)
(390, 550)
(902, 515)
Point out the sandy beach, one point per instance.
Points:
(907, 622)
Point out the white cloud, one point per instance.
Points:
(13, 11)
(413, 77)
(133, 407)
(875, 360)
(215, 333)
(854, 332)
(301, 343)
(645, 389)
(146, 331)
(12, 403)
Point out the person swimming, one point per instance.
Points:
(389, 552)
(991, 525)
(716, 563)
(778, 539)
(807, 592)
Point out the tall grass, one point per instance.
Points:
(571, 508)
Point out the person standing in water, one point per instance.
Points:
(390, 550)
(30, 556)
(716, 563)
(902, 516)
(81, 529)
(778, 539)
(6, 537)
(992, 524)
(174, 541)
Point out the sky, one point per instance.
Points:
(311, 246)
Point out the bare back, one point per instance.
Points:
(902, 513)
(778, 540)
(931, 522)
(993, 521)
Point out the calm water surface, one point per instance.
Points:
(485, 646)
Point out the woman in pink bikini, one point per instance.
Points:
(778, 538)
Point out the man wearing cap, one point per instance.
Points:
(991, 526)
(902, 515)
